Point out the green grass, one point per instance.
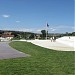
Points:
(41, 62)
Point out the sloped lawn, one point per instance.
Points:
(41, 61)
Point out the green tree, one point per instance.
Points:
(73, 33)
(31, 36)
(43, 33)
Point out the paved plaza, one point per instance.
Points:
(7, 52)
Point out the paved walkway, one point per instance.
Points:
(52, 45)
(7, 52)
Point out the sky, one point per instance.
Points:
(33, 15)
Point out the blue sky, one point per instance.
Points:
(32, 15)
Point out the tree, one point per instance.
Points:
(43, 33)
(31, 36)
(73, 33)
(66, 33)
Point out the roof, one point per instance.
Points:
(5, 35)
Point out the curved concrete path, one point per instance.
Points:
(7, 52)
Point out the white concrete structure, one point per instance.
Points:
(5, 39)
(67, 40)
(52, 45)
(61, 44)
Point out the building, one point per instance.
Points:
(6, 36)
(37, 36)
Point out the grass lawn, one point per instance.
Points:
(41, 62)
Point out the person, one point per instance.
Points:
(51, 39)
(54, 38)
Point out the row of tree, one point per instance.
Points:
(29, 35)
(19, 34)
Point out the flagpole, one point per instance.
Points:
(46, 30)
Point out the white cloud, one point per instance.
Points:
(24, 29)
(6, 16)
(59, 29)
(27, 30)
(17, 21)
(19, 29)
(52, 29)
(39, 30)
(34, 30)
(62, 26)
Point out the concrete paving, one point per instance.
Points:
(52, 45)
(7, 52)
(67, 40)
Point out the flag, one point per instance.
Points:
(47, 25)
